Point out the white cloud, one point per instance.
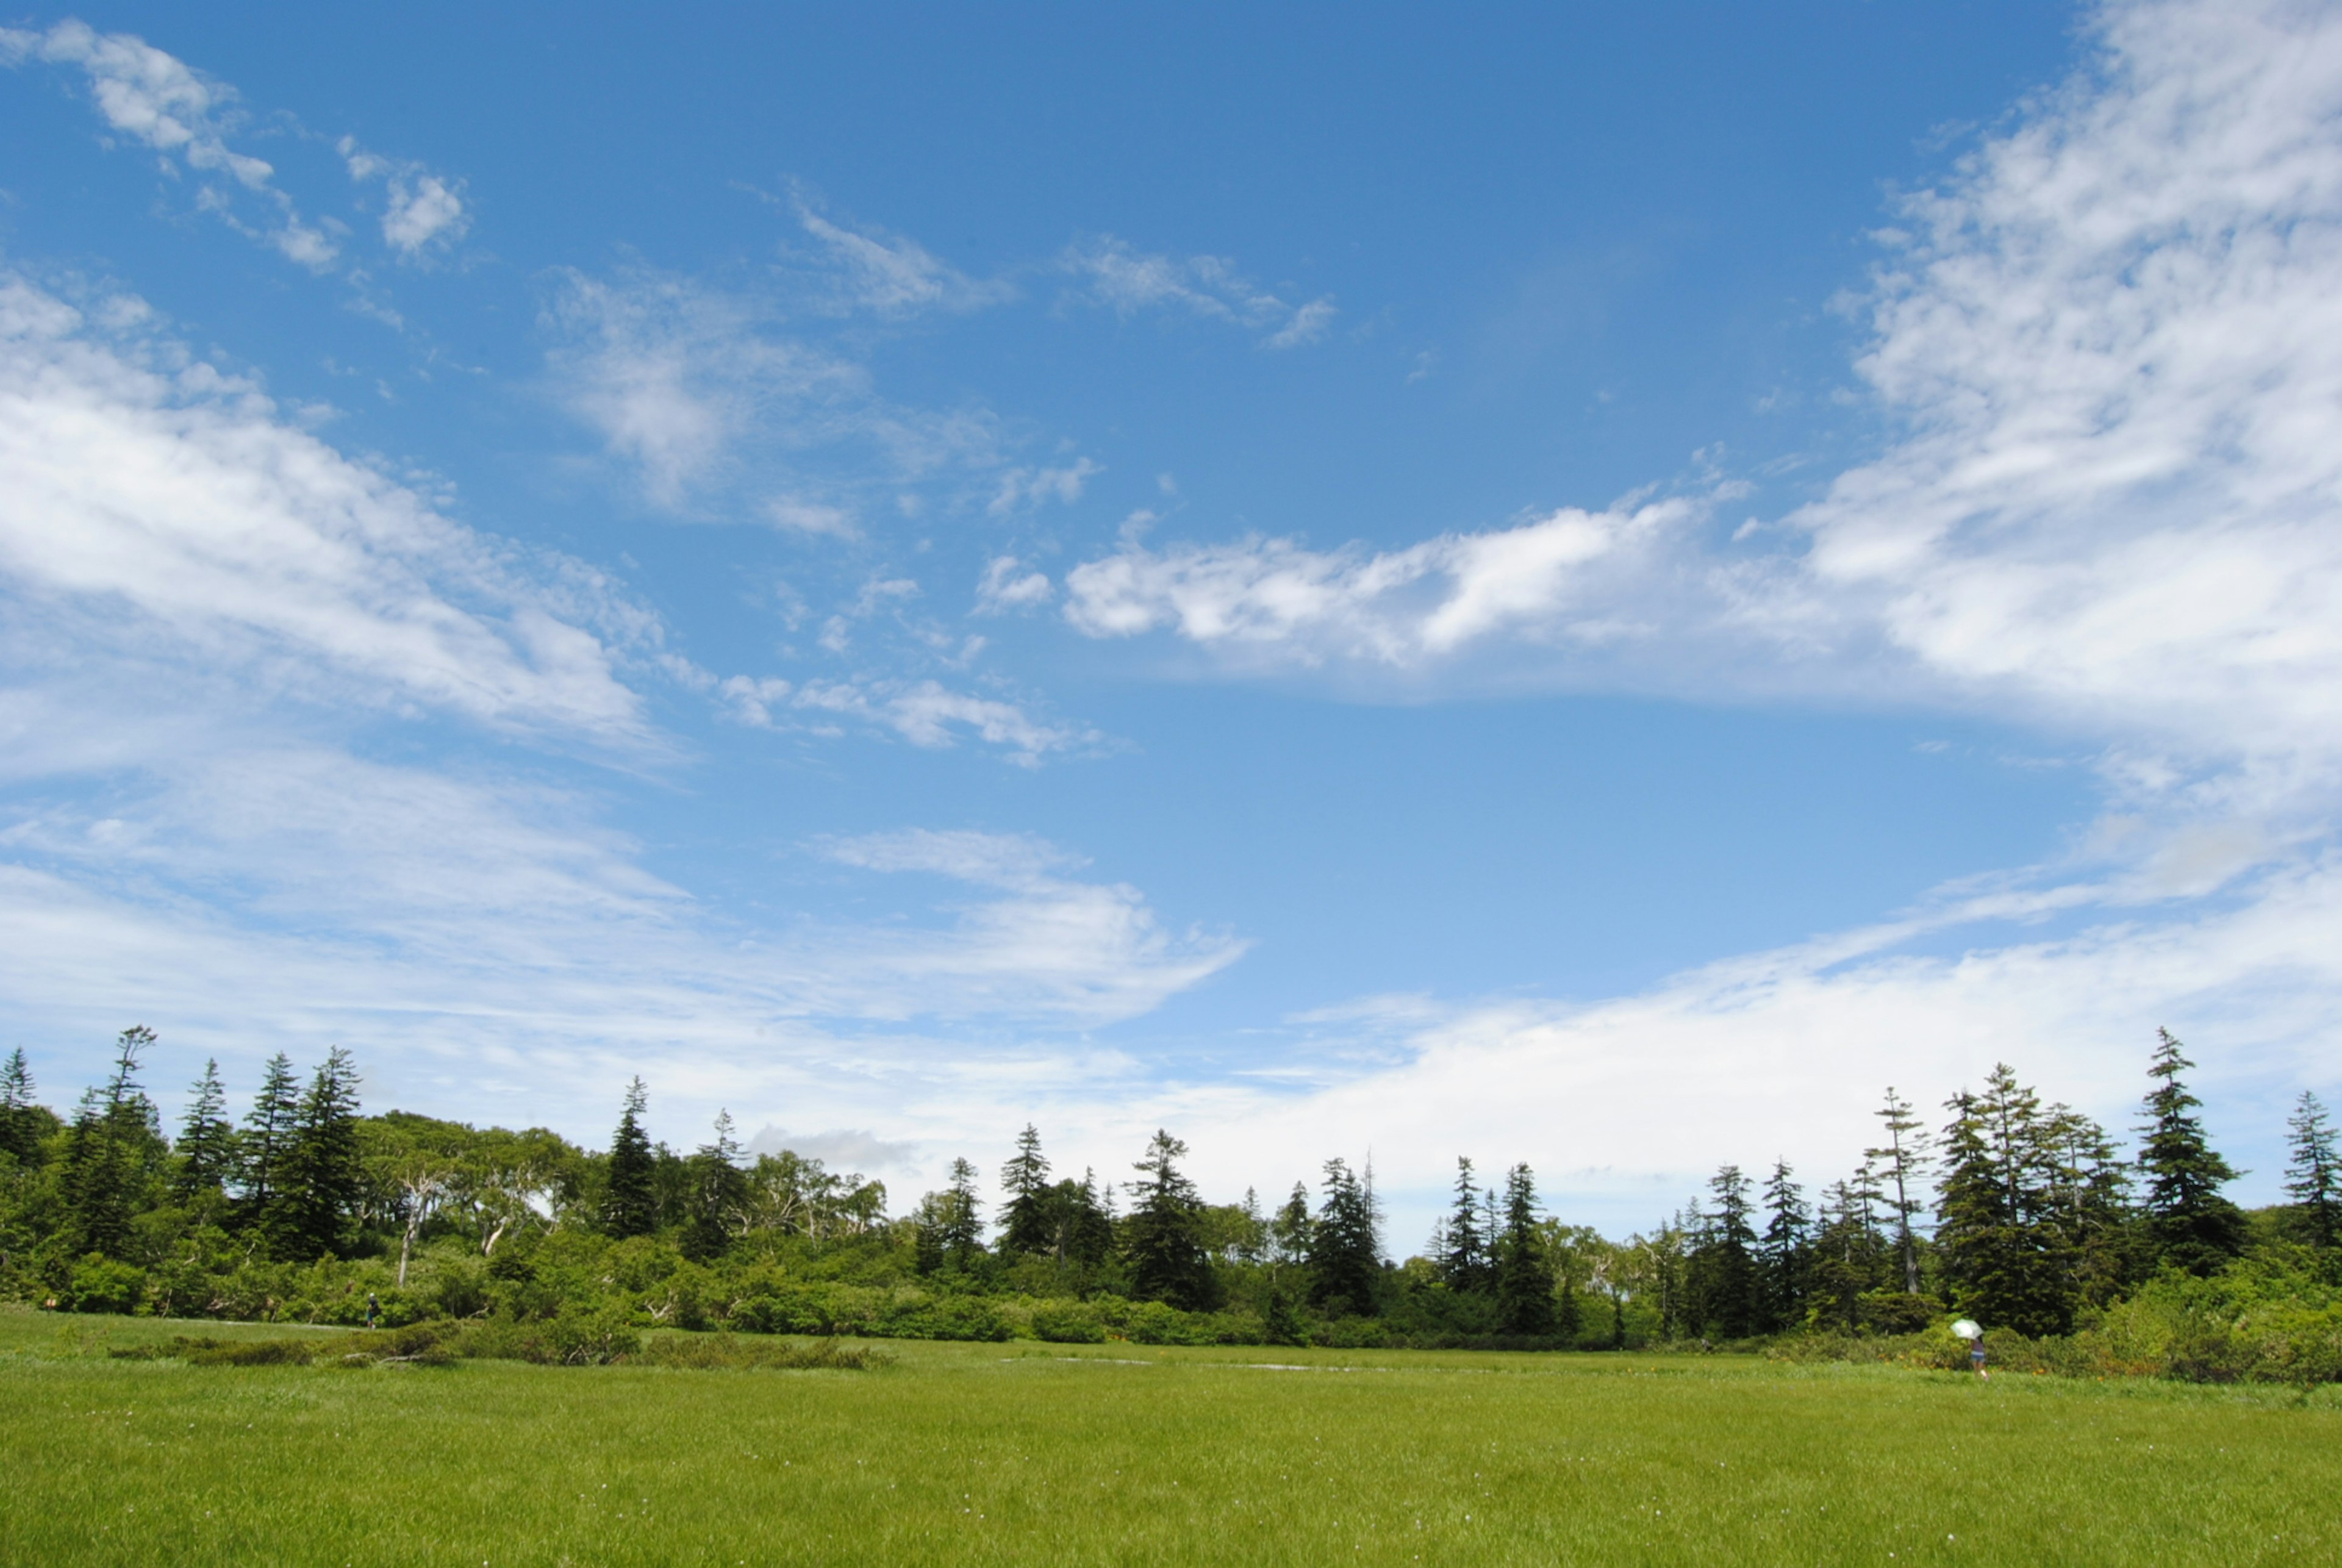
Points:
(698, 390)
(1027, 487)
(421, 209)
(1555, 579)
(796, 515)
(1128, 281)
(158, 99)
(148, 500)
(1006, 586)
(892, 275)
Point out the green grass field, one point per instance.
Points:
(1031, 1454)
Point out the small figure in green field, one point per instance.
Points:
(374, 1310)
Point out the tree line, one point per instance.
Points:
(2023, 1215)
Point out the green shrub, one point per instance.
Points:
(102, 1285)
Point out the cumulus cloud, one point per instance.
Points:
(145, 496)
(1006, 584)
(1126, 281)
(421, 209)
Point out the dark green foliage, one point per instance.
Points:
(206, 1145)
(268, 1142)
(315, 1210)
(2192, 1225)
(717, 1194)
(961, 1231)
(2008, 1264)
(1727, 1289)
(2313, 1177)
(1525, 1304)
(630, 1196)
(1161, 1239)
(1785, 1258)
(1465, 1263)
(1345, 1251)
(111, 1147)
(24, 1122)
(1028, 1224)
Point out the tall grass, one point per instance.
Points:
(960, 1453)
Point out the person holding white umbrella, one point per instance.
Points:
(1972, 1331)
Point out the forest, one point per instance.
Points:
(2076, 1256)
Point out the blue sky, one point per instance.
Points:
(1586, 588)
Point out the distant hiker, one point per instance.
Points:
(1976, 1355)
(374, 1309)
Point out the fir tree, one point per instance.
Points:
(1289, 1228)
(1345, 1248)
(1162, 1238)
(630, 1206)
(718, 1193)
(113, 1139)
(1525, 1304)
(1784, 1254)
(323, 1177)
(961, 1232)
(1905, 1158)
(206, 1145)
(1463, 1259)
(1085, 1221)
(2193, 1226)
(1726, 1279)
(2005, 1259)
(1031, 1223)
(266, 1142)
(22, 1115)
(2312, 1176)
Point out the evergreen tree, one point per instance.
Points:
(2088, 1201)
(23, 1120)
(1726, 1284)
(2312, 1176)
(1525, 1304)
(1464, 1262)
(206, 1146)
(1785, 1255)
(267, 1143)
(323, 1177)
(1033, 1220)
(1905, 1157)
(1163, 1238)
(630, 1206)
(1345, 1248)
(112, 1143)
(1083, 1222)
(2006, 1261)
(718, 1194)
(2193, 1226)
(1289, 1229)
(960, 1232)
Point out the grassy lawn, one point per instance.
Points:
(1032, 1454)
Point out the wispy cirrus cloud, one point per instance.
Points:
(925, 713)
(891, 274)
(1113, 273)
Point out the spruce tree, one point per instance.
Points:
(2193, 1226)
(2006, 1260)
(630, 1204)
(322, 1174)
(1345, 1248)
(718, 1194)
(962, 1231)
(1786, 1251)
(266, 1142)
(1289, 1228)
(113, 1141)
(1525, 1304)
(1726, 1283)
(1032, 1222)
(1904, 1156)
(1162, 1239)
(2312, 1176)
(1463, 1258)
(206, 1145)
(23, 1118)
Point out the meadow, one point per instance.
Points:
(1028, 1453)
